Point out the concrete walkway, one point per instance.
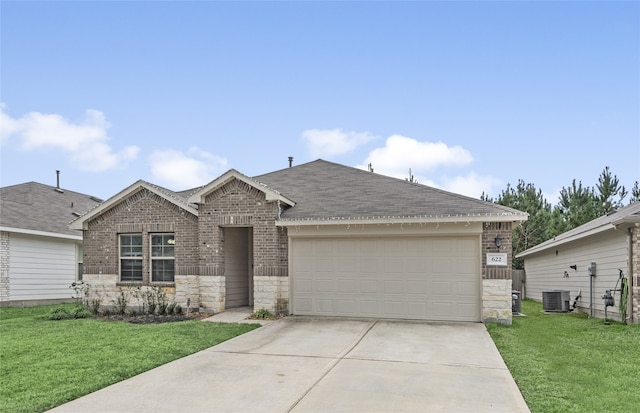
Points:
(308, 365)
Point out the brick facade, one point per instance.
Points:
(200, 250)
(199, 246)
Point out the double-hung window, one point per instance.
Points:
(131, 257)
(162, 257)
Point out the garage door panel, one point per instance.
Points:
(442, 266)
(393, 266)
(393, 309)
(323, 286)
(347, 265)
(348, 286)
(368, 286)
(304, 285)
(467, 289)
(435, 278)
(303, 305)
(323, 265)
(416, 309)
(466, 266)
(442, 288)
(417, 287)
(347, 306)
(370, 266)
(392, 287)
(416, 266)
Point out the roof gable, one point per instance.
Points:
(173, 197)
(42, 209)
(271, 195)
(326, 191)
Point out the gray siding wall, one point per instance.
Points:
(609, 250)
(41, 268)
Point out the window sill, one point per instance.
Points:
(163, 284)
(129, 283)
(142, 284)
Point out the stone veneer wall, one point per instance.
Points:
(212, 293)
(4, 266)
(271, 293)
(496, 301)
(105, 288)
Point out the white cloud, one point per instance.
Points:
(179, 171)
(471, 185)
(330, 142)
(401, 153)
(86, 142)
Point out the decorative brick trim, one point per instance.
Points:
(280, 271)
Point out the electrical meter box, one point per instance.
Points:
(591, 269)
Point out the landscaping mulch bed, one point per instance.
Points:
(151, 318)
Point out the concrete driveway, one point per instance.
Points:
(303, 364)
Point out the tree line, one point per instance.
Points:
(576, 205)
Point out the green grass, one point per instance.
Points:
(46, 363)
(571, 363)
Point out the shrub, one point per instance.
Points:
(262, 314)
(79, 311)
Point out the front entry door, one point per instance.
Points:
(238, 266)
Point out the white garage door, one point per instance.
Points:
(433, 278)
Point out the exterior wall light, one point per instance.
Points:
(498, 241)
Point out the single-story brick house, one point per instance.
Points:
(612, 242)
(313, 239)
(40, 256)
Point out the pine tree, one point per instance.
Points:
(611, 194)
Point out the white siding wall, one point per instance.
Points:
(608, 250)
(41, 268)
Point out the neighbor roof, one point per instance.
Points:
(326, 191)
(42, 209)
(627, 215)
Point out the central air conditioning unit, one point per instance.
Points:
(556, 301)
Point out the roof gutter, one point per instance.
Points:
(459, 219)
(544, 246)
(41, 233)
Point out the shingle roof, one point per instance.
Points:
(324, 190)
(37, 207)
(629, 213)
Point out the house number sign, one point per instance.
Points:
(498, 259)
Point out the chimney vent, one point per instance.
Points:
(57, 189)
(290, 161)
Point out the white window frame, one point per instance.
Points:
(122, 257)
(153, 257)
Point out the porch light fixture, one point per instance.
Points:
(498, 241)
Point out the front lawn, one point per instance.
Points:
(571, 363)
(46, 363)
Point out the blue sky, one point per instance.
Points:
(470, 95)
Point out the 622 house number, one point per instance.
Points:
(497, 259)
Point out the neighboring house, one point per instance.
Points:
(612, 242)
(314, 239)
(40, 256)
